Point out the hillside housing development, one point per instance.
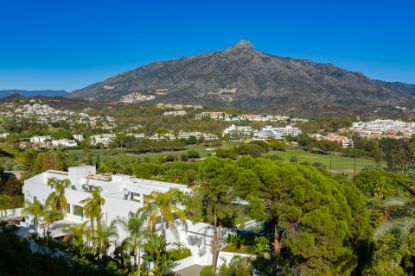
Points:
(394, 129)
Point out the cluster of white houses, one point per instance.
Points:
(394, 129)
(44, 114)
(47, 141)
(266, 133)
(122, 194)
(241, 118)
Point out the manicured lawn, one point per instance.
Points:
(119, 154)
(338, 163)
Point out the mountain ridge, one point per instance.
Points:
(33, 93)
(242, 77)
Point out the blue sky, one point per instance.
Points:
(68, 44)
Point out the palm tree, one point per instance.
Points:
(156, 252)
(93, 207)
(163, 205)
(57, 199)
(404, 220)
(49, 216)
(77, 238)
(35, 209)
(135, 226)
(102, 237)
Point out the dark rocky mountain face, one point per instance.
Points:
(243, 77)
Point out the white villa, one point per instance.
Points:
(104, 139)
(122, 194)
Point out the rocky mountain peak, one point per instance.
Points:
(243, 77)
(242, 45)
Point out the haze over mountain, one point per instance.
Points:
(33, 93)
(243, 77)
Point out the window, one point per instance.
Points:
(135, 197)
(68, 208)
(78, 211)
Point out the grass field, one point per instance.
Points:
(338, 163)
(118, 154)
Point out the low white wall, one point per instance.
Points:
(11, 213)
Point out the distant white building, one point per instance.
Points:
(270, 132)
(197, 134)
(162, 137)
(103, 139)
(238, 130)
(213, 115)
(137, 135)
(66, 143)
(4, 135)
(78, 137)
(175, 113)
(40, 140)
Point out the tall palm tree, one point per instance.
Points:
(156, 252)
(135, 226)
(57, 199)
(163, 206)
(102, 237)
(93, 207)
(35, 209)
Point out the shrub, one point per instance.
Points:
(184, 157)
(318, 165)
(262, 246)
(251, 149)
(179, 253)
(170, 158)
(262, 144)
(193, 154)
(275, 157)
(294, 159)
(206, 271)
(237, 266)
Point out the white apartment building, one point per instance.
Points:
(238, 130)
(270, 132)
(197, 134)
(122, 194)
